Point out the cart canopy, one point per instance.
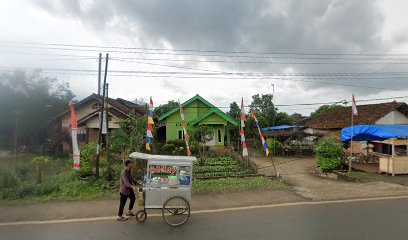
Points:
(373, 132)
(166, 158)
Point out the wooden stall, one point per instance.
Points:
(397, 161)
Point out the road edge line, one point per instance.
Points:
(92, 219)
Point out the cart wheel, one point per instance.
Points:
(176, 211)
(141, 216)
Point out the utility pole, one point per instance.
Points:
(98, 147)
(107, 134)
(99, 73)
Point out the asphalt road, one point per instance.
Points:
(385, 219)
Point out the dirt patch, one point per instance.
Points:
(298, 171)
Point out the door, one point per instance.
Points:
(212, 142)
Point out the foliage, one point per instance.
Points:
(283, 118)
(329, 154)
(237, 184)
(164, 108)
(130, 137)
(219, 167)
(263, 104)
(39, 162)
(31, 100)
(275, 147)
(200, 135)
(7, 179)
(88, 160)
(323, 109)
(235, 113)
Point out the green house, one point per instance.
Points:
(197, 111)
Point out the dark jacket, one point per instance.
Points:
(126, 181)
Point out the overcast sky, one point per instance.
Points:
(358, 28)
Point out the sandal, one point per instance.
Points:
(122, 219)
(130, 213)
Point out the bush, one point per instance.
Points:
(7, 179)
(275, 147)
(169, 147)
(329, 154)
(88, 158)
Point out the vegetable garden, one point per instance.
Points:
(220, 167)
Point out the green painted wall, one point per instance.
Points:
(191, 112)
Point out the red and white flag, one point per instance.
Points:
(243, 120)
(354, 106)
(74, 133)
(183, 123)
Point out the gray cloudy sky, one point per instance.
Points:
(358, 28)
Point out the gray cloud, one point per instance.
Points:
(262, 26)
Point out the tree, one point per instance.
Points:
(164, 108)
(130, 137)
(30, 100)
(235, 113)
(200, 136)
(323, 109)
(283, 118)
(263, 105)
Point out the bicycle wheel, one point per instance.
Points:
(141, 216)
(176, 211)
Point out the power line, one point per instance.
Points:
(202, 51)
(210, 74)
(69, 47)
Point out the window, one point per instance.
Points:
(219, 135)
(180, 134)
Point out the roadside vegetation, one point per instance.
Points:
(237, 184)
(226, 174)
(329, 154)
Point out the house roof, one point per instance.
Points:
(111, 111)
(338, 118)
(196, 97)
(220, 113)
(212, 110)
(121, 106)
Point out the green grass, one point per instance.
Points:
(364, 176)
(237, 184)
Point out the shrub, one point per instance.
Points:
(275, 147)
(88, 158)
(329, 154)
(7, 179)
(169, 147)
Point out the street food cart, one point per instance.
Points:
(167, 186)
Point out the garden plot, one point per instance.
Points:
(220, 167)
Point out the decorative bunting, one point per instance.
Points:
(242, 132)
(265, 147)
(183, 123)
(74, 133)
(149, 129)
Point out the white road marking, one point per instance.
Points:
(78, 220)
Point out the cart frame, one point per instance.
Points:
(174, 201)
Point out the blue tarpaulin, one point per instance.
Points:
(276, 128)
(374, 132)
